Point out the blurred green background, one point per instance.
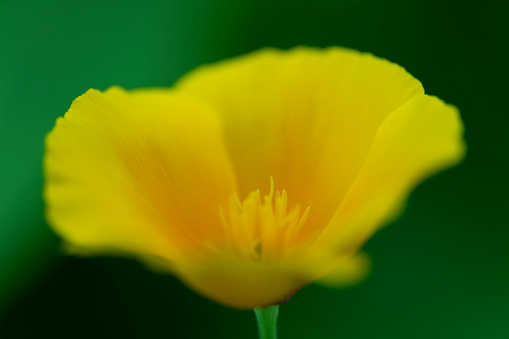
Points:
(441, 271)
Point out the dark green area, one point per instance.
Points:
(441, 271)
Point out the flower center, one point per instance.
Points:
(262, 229)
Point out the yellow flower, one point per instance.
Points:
(250, 178)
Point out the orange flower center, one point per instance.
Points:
(262, 229)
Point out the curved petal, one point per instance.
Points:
(348, 271)
(140, 172)
(306, 117)
(416, 141)
(243, 284)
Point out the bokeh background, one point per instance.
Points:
(440, 271)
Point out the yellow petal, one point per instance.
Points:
(138, 172)
(415, 141)
(306, 117)
(244, 284)
(348, 271)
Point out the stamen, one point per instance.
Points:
(271, 194)
(303, 218)
(262, 231)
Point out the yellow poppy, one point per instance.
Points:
(252, 177)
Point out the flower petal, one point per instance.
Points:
(244, 284)
(141, 172)
(306, 117)
(348, 271)
(415, 141)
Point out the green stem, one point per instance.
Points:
(266, 318)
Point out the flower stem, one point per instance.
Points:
(266, 318)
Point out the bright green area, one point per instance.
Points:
(439, 272)
(266, 318)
